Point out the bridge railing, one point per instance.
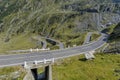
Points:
(39, 62)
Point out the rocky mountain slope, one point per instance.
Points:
(64, 20)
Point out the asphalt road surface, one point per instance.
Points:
(19, 59)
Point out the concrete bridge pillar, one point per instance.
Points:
(48, 72)
(31, 74)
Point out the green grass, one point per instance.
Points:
(111, 29)
(101, 68)
(9, 70)
(18, 42)
(95, 36)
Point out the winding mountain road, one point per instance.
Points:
(19, 59)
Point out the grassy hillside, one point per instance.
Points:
(34, 16)
(65, 20)
(19, 42)
(8, 7)
(104, 67)
(45, 18)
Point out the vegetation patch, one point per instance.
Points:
(103, 67)
(19, 42)
(95, 36)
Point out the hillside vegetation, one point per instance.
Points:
(114, 40)
(47, 18)
(51, 18)
(65, 20)
(104, 67)
(115, 35)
